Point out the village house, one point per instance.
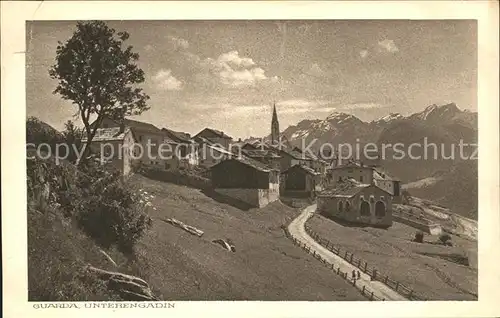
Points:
(187, 150)
(358, 203)
(215, 137)
(115, 145)
(210, 153)
(300, 181)
(246, 180)
(267, 157)
(289, 158)
(145, 133)
(366, 174)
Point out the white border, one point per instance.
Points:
(14, 232)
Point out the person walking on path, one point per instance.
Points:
(359, 274)
(353, 274)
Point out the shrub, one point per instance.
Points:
(419, 237)
(445, 238)
(107, 209)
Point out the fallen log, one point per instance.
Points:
(128, 286)
(185, 227)
(225, 244)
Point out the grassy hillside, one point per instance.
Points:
(432, 270)
(265, 266)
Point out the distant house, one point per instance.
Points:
(210, 153)
(355, 202)
(300, 181)
(115, 145)
(388, 183)
(215, 137)
(366, 174)
(267, 157)
(186, 149)
(246, 180)
(352, 170)
(145, 133)
(289, 158)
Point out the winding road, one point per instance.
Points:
(297, 230)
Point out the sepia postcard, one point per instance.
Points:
(250, 159)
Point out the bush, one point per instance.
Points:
(107, 209)
(419, 237)
(445, 239)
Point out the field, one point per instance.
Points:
(265, 266)
(432, 270)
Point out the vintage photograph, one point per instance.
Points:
(297, 160)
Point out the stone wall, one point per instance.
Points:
(255, 197)
(329, 207)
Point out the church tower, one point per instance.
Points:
(275, 127)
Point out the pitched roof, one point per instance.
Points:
(139, 125)
(259, 153)
(353, 164)
(177, 136)
(248, 162)
(380, 174)
(108, 134)
(303, 168)
(294, 154)
(218, 133)
(347, 188)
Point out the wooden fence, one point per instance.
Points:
(364, 290)
(364, 266)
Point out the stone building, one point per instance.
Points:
(115, 146)
(246, 180)
(357, 203)
(368, 175)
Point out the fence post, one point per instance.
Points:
(352, 255)
(397, 285)
(374, 274)
(386, 279)
(345, 255)
(363, 290)
(366, 265)
(371, 297)
(338, 270)
(410, 294)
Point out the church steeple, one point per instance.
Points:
(275, 127)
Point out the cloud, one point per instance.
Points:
(165, 80)
(388, 45)
(233, 57)
(363, 53)
(178, 42)
(232, 70)
(247, 77)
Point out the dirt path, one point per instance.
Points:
(297, 230)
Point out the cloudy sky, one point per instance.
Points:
(226, 74)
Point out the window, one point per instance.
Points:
(364, 208)
(380, 209)
(360, 178)
(140, 138)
